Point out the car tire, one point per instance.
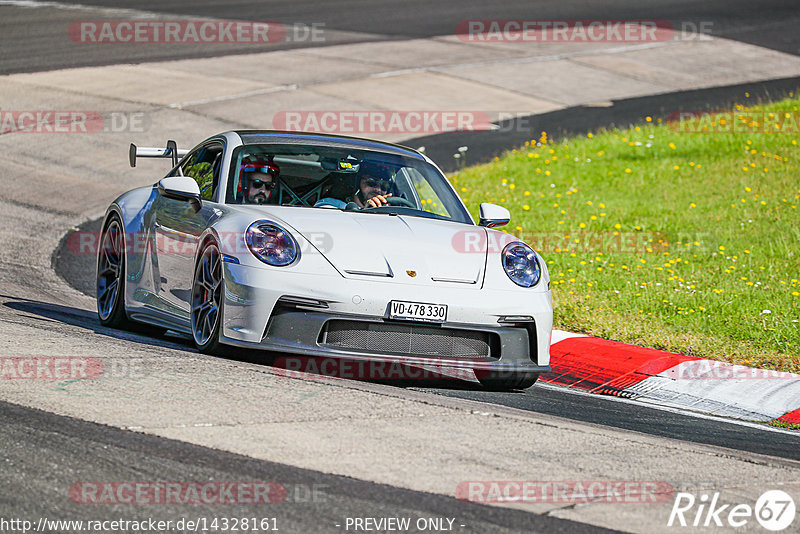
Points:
(111, 275)
(111, 269)
(207, 300)
(506, 380)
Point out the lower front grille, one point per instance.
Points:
(409, 340)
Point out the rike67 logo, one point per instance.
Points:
(774, 510)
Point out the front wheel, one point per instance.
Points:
(206, 301)
(111, 282)
(111, 276)
(506, 380)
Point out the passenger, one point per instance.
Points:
(259, 179)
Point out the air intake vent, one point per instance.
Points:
(409, 340)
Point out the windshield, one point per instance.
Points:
(325, 177)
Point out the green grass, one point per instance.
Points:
(664, 237)
(781, 424)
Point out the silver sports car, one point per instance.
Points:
(319, 245)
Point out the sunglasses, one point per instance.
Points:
(258, 184)
(383, 184)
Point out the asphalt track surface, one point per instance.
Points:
(315, 502)
(39, 445)
(598, 410)
(36, 39)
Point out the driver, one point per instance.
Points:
(260, 179)
(374, 186)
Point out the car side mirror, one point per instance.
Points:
(180, 188)
(492, 215)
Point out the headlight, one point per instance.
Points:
(271, 244)
(521, 264)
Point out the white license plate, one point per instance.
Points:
(417, 311)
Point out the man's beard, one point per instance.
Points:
(260, 198)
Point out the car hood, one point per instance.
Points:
(393, 248)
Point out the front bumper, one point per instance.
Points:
(294, 312)
(303, 332)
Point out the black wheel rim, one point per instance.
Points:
(109, 270)
(206, 296)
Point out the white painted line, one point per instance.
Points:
(266, 91)
(83, 7)
(715, 387)
(698, 415)
(440, 69)
(565, 55)
(390, 73)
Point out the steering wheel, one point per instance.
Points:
(400, 201)
(390, 201)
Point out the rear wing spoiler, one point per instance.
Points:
(148, 152)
